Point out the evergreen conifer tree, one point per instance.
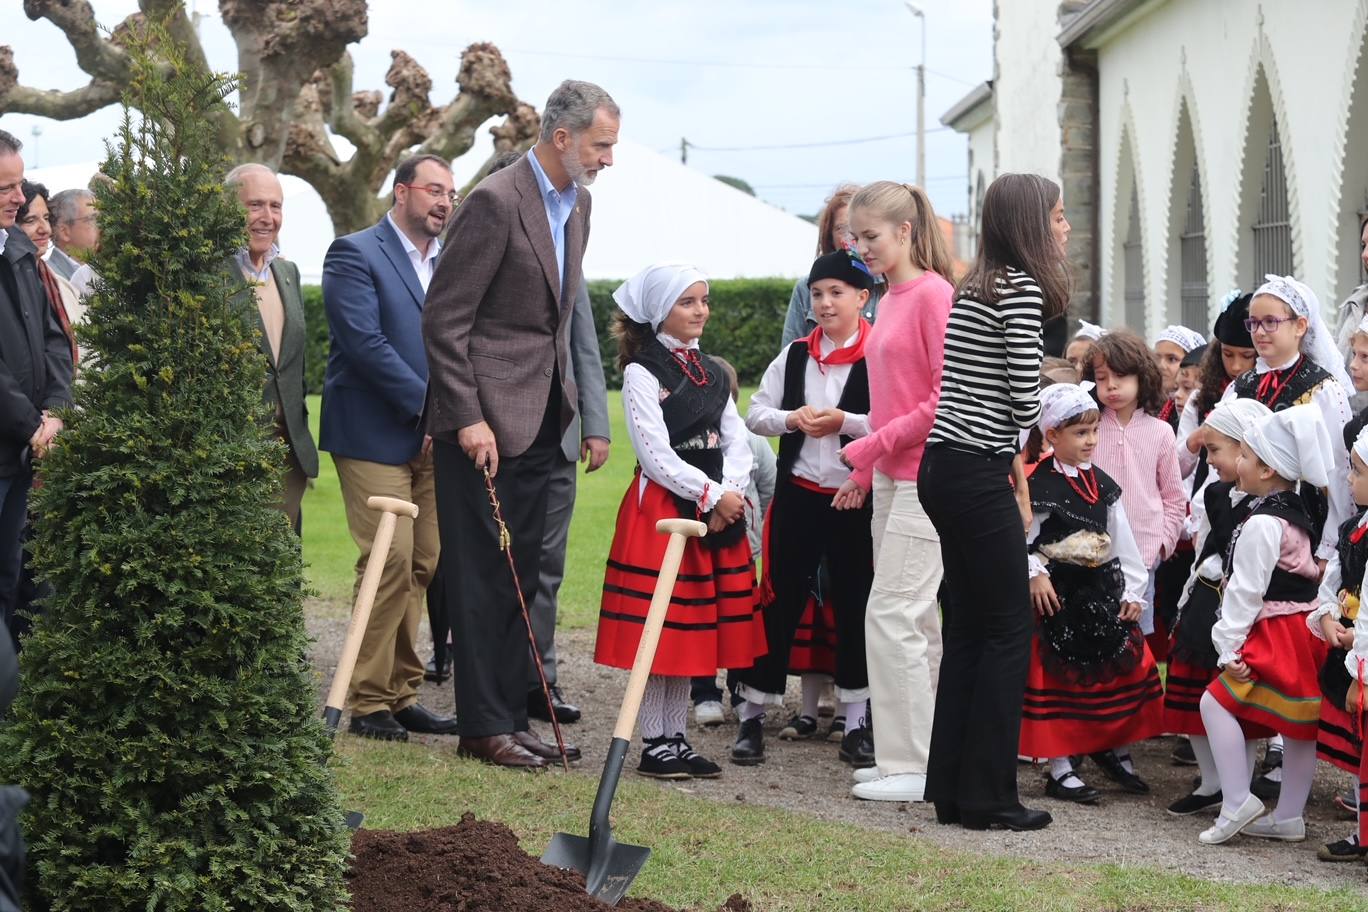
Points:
(167, 727)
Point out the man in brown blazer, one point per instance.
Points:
(496, 325)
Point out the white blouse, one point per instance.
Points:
(1327, 597)
(823, 385)
(1188, 424)
(641, 397)
(1122, 546)
(1333, 401)
(1257, 551)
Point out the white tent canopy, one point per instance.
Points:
(647, 208)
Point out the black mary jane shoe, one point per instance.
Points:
(380, 725)
(1078, 794)
(1194, 804)
(700, 767)
(749, 748)
(659, 761)
(1342, 850)
(1265, 789)
(857, 748)
(798, 728)
(1017, 819)
(1110, 764)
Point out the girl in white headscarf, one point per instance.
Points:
(693, 460)
(1299, 364)
(1092, 686)
(1192, 659)
(1269, 659)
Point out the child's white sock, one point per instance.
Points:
(854, 714)
(749, 710)
(1211, 780)
(812, 692)
(1061, 768)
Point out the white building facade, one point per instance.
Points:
(1200, 143)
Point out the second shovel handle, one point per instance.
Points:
(650, 632)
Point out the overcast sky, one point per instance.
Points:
(723, 73)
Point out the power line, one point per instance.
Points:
(731, 64)
(809, 145)
(929, 180)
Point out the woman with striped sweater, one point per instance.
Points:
(989, 393)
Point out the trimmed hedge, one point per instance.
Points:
(746, 326)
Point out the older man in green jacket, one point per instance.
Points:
(280, 317)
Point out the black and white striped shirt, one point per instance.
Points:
(990, 387)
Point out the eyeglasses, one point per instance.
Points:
(435, 191)
(1267, 324)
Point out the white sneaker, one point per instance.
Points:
(899, 787)
(709, 713)
(1225, 829)
(1266, 827)
(866, 774)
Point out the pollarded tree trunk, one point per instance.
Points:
(295, 92)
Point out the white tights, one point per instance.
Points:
(1233, 757)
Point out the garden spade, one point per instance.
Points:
(609, 867)
(392, 508)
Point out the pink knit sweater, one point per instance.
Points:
(904, 356)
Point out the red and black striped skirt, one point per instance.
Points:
(714, 620)
(1183, 688)
(1061, 717)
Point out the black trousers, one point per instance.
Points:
(490, 651)
(804, 528)
(986, 628)
(439, 617)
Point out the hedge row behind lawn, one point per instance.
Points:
(746, 326)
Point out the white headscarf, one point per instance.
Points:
(1294, 443)
(1318, 344)
(1361, 445)
(1181, 336)
(1090, 331)
(650, 295)
(1235, 416)
(1061, 401)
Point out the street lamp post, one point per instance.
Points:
(921, 98)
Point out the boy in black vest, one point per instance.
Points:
(815, 398)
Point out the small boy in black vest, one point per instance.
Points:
(815, 398)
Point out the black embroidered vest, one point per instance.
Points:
(1353, 555)
(854, 399)
(1283, 586)
(1069, 512)
(1222, 518)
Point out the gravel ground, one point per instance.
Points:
(808, 777)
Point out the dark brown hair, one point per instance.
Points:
(1015, 234)
(1125, 353)
(1050, 364)
(839, 199)
(631, 337)
(1213, 380)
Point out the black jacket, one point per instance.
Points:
(35, 357)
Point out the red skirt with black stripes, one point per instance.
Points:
(1060, 717)
(714, 620)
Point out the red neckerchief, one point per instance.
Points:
(1167, 411)
(1275, 381)
(848, 355)
(689, 361)
(1357, 535)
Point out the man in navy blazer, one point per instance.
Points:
(374, 284)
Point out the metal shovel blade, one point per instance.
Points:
(608, 866)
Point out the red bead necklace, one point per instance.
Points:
(691, 362)
(1088, 489)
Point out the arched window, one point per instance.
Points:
(1273, 226)
(1134, 266)
(1193, 259)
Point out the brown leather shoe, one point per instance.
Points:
(500, 750)
(548, 751)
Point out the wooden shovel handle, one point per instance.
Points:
(678, 530)
(392, 507)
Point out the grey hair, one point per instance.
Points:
(9, 144)
(573, 106)
(234, 177)
(67, 203)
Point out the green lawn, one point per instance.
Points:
(331, 554)
(782, 862)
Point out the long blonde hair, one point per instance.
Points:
(898, 203)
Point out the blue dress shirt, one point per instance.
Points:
(558, 208)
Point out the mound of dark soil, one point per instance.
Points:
(475, 866)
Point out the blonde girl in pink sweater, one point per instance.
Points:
(897, 235)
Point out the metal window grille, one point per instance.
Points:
(1273, 227)
(1133, 260)
(1193, 257)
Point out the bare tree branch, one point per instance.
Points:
(20, 99)
(95, 55)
